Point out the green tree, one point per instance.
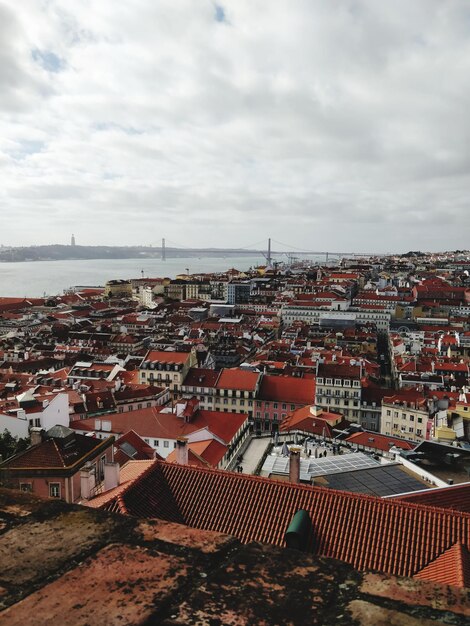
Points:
(10, 445)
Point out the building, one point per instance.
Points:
(278, 396)
(28, 410)
(61, 464)
(118, 289)
(236, 390)
(405, 414)
(166, 368)
(238, 292)
(338, 388)
(161, 429)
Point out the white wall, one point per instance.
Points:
(56, 412)
(16, 426)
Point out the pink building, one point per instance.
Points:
(278, 396)
(62, 464)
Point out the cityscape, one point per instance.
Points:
(234, 313)
(290, 386)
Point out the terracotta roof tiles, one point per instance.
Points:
(368, 532)
(450, 568)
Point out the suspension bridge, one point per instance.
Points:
(268, 252)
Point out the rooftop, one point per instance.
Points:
(83, 566)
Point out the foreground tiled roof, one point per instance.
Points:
(367, 532)
(82, 566)
(450, 568)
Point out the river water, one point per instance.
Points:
(39, 278)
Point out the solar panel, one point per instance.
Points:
(320, 467)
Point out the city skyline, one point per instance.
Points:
(337, 125)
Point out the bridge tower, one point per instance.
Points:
(163, 250)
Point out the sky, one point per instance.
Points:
(337, 125)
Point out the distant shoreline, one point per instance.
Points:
(89, 253)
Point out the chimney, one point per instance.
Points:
(294, 464)
(35, 435)
(111, 475)
(182, 451)
(87, 482)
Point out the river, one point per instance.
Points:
(39, 278)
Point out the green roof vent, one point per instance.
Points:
(298, 533)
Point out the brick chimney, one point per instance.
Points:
(294, 464)
(182, 451)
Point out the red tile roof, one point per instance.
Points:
(160, 356)
(368, 532)
(153, 424)
(379, 442)
(456, 497)
(50, 454)
(237, 379)
(450, 568)
(287, 389)
(201, 377)
(339, 371)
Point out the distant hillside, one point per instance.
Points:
(66, 253)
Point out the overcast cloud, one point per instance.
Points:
(340, 125)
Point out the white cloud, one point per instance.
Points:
(308, 121)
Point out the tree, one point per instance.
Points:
(10, 445)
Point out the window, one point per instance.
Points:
(258, 414)
(37, 422)
(389, 413)
(54, 490)
(242, 402)
(266, 415)
(166, 444)
(225, 401)
(275, 416)
(155, 443)
(275, 405)
(149, 404)
(284, 406)
(234, 401)
(121, 409)
(26, 487)
(292, 407)
(412, 418)
(139, 406)
(420, 420)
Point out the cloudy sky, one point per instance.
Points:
(333, 124)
